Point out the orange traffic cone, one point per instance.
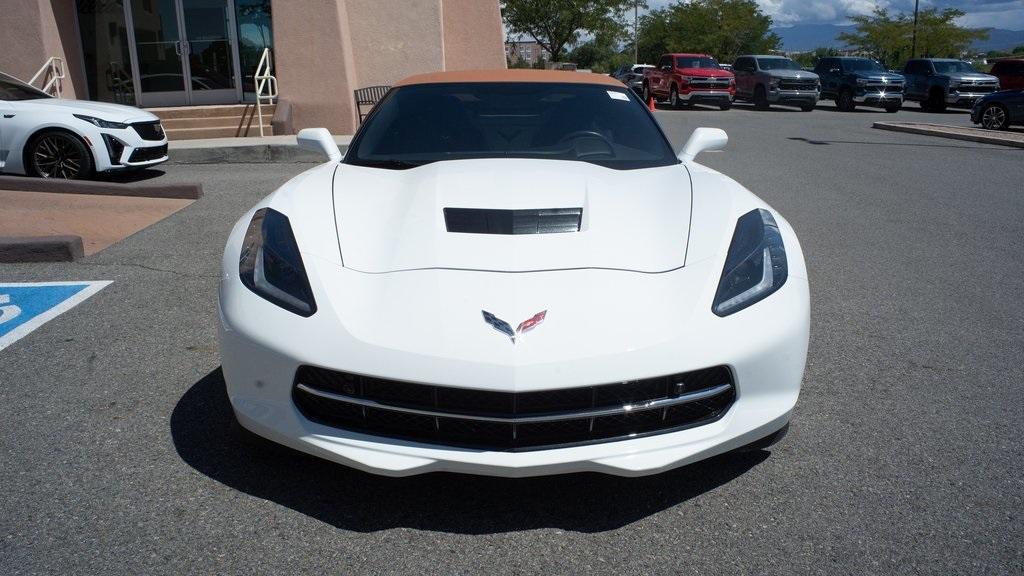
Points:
(651, 105)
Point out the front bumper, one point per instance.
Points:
(879, 98)
(126, 149)
(964, 99)
(776, 96)
(765, 347)
(714, 96)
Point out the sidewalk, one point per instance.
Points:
(1013, 138)
(245, 150)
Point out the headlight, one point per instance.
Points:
(101, 123)
(755, 266)
(774, 82)
(954, 83)
(862, 81)
(270, 264)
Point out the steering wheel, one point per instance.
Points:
(592, 134)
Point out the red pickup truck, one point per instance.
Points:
(689, 78)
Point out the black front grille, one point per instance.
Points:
(887, 88)
(146, 154)
(798, 85)
(513, 421)
(975, 88)
(149, 130)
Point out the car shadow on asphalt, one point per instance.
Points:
(203, 431)
(130, 176)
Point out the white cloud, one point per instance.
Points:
(980, 13)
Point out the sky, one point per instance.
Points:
(1008, 14)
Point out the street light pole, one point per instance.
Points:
(913, 44)
(636, 32)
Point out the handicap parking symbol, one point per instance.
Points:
(27, 306)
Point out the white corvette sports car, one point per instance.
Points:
(58, 138)
(511, 273)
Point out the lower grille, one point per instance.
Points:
(513, 421)
(149, 130)
(146, 154)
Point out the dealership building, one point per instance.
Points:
(199, 53)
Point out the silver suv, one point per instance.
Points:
(766, 80)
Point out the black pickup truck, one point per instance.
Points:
(851, 81)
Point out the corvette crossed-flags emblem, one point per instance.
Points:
(506, 328)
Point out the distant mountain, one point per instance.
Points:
(803, 37)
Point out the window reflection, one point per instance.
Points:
(108, 69)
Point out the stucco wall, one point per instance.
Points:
(392, 39)
(473, 35)
(32, 31)
(313, 63)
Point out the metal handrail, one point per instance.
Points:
(52, 73)
(266, 84)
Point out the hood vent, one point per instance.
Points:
(533, 221)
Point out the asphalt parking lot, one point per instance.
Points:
(905, 454)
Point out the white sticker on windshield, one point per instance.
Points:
(617, 95)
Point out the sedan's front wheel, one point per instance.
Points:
(55, 154)
(994, 117)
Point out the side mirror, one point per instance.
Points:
(319, 140)
(703, 139)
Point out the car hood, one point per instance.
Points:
(393, 220)
(111, 112)
(706, 72)
(792, 74)
(879, 76)
(971, 77)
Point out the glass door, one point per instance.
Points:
(159, 50)
(210, 46)
(185, 52)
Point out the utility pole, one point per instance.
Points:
(636, 32)
(913, 43)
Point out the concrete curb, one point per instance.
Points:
(186, 191)
(251, 154)
(63, 248)
(954, 133)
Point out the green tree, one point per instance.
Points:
(810, 59)
(1018, 50)
(557, 24)
(721, 28)
(890, 37)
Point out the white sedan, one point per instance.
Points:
(57, 138)
(512, 273)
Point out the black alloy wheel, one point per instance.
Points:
(59, 155)
(845, 101)
(760, 98)
(994, 117)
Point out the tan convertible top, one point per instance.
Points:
(554, 76)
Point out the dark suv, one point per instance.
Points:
(940, 82)
(853, 81)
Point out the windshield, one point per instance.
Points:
(695, 62)
(862, 65)
(955, 66)
(423, 123)
(777, 64)
(12, 89)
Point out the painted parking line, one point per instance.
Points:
(27, 306)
